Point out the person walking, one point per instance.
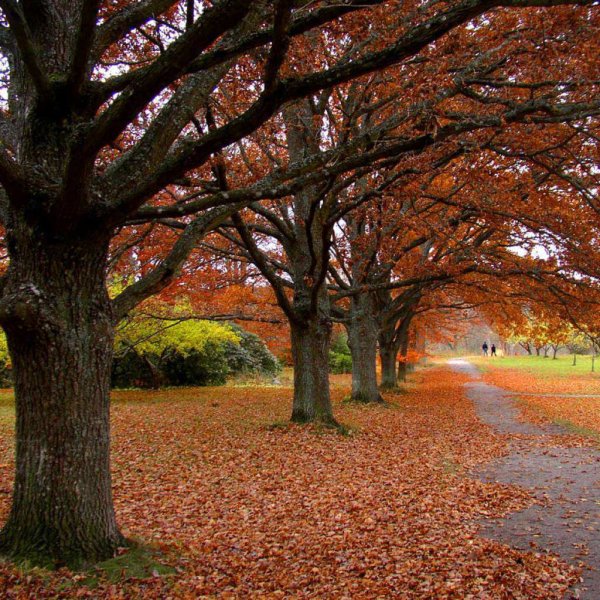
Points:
(493, 349)
(485, 348)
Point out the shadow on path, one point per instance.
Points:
(565, 481)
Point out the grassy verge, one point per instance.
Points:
(562, 366)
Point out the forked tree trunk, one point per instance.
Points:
(58, 322)
(310, 353)
(362, 339)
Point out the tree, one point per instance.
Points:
(92, 144)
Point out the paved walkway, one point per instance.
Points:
(566, 481)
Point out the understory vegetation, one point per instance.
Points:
(152, 354)
(340, 359)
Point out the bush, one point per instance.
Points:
(129, 369)
(340, 359)
(340, 363)
(5, 364)
(250, 355)
(150, 354)
(205, 367)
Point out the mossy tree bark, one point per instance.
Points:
(58, 321)
(310, 352)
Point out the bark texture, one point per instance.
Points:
(387, 355)
(308, 256)
(362, 339)
(58, 321)
(310, 350)
(403, 366)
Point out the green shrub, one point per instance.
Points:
(250, 355)
(5, 364)
(340, 359)
(197, 367)
(152, 352)
(129, 369)
(340, 363)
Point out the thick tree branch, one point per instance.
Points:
(22, 35)
(191, 154)
(160, 277)
(163, 71)
(83, 45)
(122, 22)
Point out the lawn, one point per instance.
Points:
(561, 367)
(242, 505)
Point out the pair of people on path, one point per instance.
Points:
(485, 349)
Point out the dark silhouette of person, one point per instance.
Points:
(493, 349)
(485, 348)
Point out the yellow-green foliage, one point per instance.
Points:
(4, 357)
(5, 364)
(154, 336)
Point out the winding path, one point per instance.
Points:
(565, 480)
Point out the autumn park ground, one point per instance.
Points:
(229, 501)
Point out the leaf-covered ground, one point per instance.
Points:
(244, 506)
(550, 379)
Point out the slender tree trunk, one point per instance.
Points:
(58, 322)
(526, 347)
(156, 377)
(362, 339)
(310, 353)
(554, 351)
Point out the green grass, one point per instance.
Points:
(139, 561)
(561, 367)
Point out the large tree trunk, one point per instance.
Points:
(403, 366)
(362, 339)
(391, 341)
(310, 353)
(387, 355)
(58, 322)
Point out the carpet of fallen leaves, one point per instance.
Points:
(246, 506)
(581, 412)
